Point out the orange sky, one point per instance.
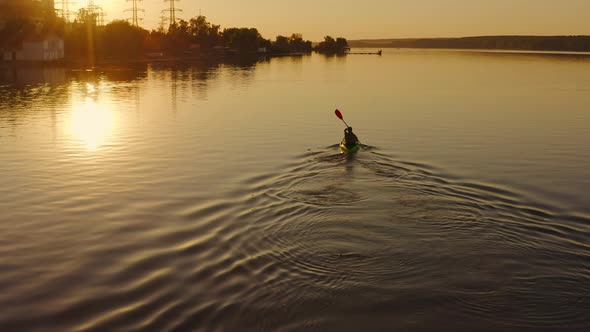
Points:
(377, 18)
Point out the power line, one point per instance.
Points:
(64, 10)
(134, 10)
(96, 13)
(172, 10)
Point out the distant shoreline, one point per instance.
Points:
(481, 50)
(508, 43)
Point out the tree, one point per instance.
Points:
(14, 31)
(341, 44)
(298, 44)
(83, 39)
(332, 46)
(178, 37)
(203, 32)
(281, 45)
(123, 40)
(243, 40)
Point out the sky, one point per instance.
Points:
(373, 19)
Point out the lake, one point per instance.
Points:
(213, 197)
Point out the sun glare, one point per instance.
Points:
(91, 124)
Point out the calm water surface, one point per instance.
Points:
(212, 197)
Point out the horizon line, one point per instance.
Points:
(472, 36)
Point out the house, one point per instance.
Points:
(46, 48)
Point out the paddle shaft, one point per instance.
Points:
(346, 124)
(341, 117)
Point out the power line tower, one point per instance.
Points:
(172, 10)
(96, 13)
(64, 10)
(134, 12)
(163, 19)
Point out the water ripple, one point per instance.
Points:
(308, 247)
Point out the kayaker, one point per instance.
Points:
(350, 138)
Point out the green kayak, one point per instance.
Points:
(352, 149)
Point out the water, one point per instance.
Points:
(212, 197)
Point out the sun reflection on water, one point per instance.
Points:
(91, 123)
(90, 88)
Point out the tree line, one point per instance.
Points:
(120, 39)
(197, 35)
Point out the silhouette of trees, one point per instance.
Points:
(153, 42)
(293, 44)
(123, 40)
(298, 44)
(178, 38)
(204, 33)
(25, 9)
(80, 39)
(119, 39)
(281, 45)
(243, 40)
(15, 30)
(22, 19)
(332, 46)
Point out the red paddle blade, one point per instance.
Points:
(339, 115)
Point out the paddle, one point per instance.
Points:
(339, 115)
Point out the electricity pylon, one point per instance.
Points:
(172, 10)
(96, 13)
(64, 10)
(134, 12)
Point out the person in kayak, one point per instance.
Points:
(350, 138)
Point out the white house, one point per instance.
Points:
(48, 48)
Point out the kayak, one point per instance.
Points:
(353, 149)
